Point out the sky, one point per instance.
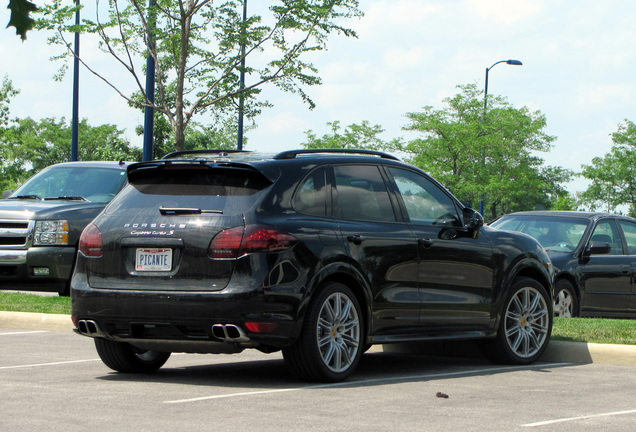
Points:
(579, 64)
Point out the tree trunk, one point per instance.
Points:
(179, 137)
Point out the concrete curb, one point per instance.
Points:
(36, 321)
(557, 351)
(560, 352)
(580, 352)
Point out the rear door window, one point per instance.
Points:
(362, 194)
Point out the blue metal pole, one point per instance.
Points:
(239, 145)
(483, 156)
(510, 62)
(149, 120)
(75, 114)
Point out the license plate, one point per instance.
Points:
(153, 259)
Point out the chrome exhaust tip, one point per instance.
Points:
(229, 333)
(89, 328)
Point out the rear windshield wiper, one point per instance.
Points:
(171, 211)
(70, 198)
(37, 197)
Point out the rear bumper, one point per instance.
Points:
(196, 322)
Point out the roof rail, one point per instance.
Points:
(218, 152)
(291, 154)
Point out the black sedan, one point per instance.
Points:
(594, 255)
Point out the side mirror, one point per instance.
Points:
(598, 249)
(472, 219)
(7, 193)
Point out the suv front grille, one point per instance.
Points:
(14, 225)
(13, 241)
(14, 233)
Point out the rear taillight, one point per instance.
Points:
(237, 241)
(90, 243)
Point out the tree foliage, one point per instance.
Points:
(21, 16)
(354, 136)
(197, 137)
(613, 177)
(489, 154)
(29, 145)
(7, 92)
(199, 46)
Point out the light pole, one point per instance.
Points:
(149, 111)
(75, 112)
(510, 62)
(239, 143)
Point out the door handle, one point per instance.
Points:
(426, 243)
(355, 239)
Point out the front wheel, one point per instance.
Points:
(566, 303)
(525, 324)
(123, 357)
(330, 345)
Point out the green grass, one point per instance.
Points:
(19, 302)
(596, 330)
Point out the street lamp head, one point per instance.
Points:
(514, 62)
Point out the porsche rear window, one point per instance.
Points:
(225, 190)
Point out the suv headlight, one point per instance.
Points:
(51, 233)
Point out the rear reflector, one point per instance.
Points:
(261, 327)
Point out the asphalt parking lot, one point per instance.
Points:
(53, 380)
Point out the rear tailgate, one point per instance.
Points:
(157, 233)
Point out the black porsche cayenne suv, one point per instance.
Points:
(318, 253)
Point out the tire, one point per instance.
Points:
(123, 357)
(331, 341)
(525, 325)
(566, 302)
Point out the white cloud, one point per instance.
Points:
(506, 11)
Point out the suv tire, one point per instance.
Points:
(123, 357)
(331, 341)
(525, 325)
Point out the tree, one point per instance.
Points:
(21, 16)
(489, 154)
(9, 172)
(198, 47)
(197, 137)
(30, 145)
(354, 136)
(7, 91)
(614, 175)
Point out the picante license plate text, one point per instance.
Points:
(153, 259)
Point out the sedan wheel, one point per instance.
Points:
(525, 327)
(565, 301)
(330, 345)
